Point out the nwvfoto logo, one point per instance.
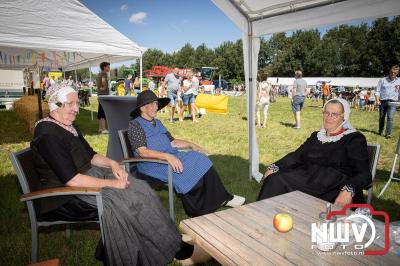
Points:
(340, 233)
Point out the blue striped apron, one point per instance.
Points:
(195, 164)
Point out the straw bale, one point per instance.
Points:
(27, 109)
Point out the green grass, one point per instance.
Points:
(224, 136)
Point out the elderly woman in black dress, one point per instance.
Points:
(332, 164)
(136, 227)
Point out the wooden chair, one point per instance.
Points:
(373, 155)
(28, 178)
(391, 176)
(130, 165)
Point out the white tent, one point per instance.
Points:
(58, 33)
(333, 81)
(256, 18)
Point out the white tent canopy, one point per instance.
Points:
(333, 81)
(58, 33)
(256, 18)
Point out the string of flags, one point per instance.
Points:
(31, 57)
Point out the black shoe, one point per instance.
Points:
(185, 252)
(388, 136)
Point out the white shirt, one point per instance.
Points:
(187, 87)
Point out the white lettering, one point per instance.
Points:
(359, 235)
(338, 237)
(316, 232)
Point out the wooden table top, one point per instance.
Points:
(246, 236)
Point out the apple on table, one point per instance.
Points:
(283, 222)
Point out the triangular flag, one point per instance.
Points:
(33, 58)
(1, 56)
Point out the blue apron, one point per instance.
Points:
(195, 164)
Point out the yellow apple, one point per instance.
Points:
(283, 222)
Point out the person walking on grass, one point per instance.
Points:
(172, 83)
(387, 91)
(298, 96)
(103, 89)
(263, 100)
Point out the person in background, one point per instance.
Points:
(151, 85)
(136, 86)
(70, 81)
(172, 84)
(362, 94)
(387, 91)
(371, 100)
(128, 85)
(263, 100)
(325, 92)
(298, 97)
(188, 99)
(103, 89)
(46, 84)
(195, 88)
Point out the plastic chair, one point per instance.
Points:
(373, 156)
(28, 178)
(130, 161)
(391, 177)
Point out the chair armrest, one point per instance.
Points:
(60, 191)
(139, 160)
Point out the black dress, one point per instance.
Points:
(322, 169)
(137, 229)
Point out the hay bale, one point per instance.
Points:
(27, 109)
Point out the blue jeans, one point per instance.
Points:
(384, 109)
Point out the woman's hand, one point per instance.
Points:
(119, 172)
(200, 149)
(344, 198)
(119, 183)
(266, 174)
(175, 163)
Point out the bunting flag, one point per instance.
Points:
(1, 56)
(33, 58)
(18, 58)
(13, 57)
(42, 56)
(5, 59)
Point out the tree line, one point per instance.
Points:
(344, 51)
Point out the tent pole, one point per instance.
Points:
(76, 77)
(250, 115)
(141, 75)
(90, 90)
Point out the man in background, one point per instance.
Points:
(172, 84)
(128, 85)
(298, 96)
(102, 89)
(387, 91)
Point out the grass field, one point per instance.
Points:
(224, 136)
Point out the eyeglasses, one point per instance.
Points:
(71, 104)
(333, 115)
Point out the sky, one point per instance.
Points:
(167, 24)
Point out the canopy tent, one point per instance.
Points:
(58, 33)
(343, 81)
(256, 18)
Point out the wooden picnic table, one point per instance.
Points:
(246, 236)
